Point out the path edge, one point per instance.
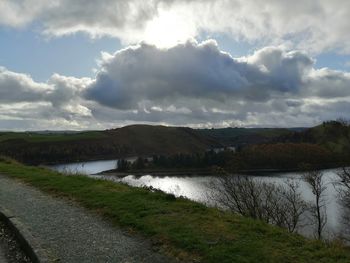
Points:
(26, 240)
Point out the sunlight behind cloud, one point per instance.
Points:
(169, 28)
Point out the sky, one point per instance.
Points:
(86, 65)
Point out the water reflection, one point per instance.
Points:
(88, 168)
(194, 188)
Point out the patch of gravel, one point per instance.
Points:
(70, 233)
(10, 249)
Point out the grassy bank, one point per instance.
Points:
(183, 228)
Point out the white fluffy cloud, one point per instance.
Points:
(197, 84)
(59, 90)
(22, 12)
(313, 25)
(133, 77)
(189, 84)
(56, 104)
(122, 19)
(15, 87)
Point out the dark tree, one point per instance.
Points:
(139, 163)
(123, 165)
(344, 194)
(314, 178)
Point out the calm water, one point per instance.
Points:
(88, 168)
(196, 188)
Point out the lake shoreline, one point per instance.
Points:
(197, 172)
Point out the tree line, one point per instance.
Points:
(279, 156)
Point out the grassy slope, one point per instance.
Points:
(182, 227)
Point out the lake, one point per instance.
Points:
(196, 188)
(88, 168)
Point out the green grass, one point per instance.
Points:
(50, 137)
(183, 228)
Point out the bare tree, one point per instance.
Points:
(280, 205)
(295, 205)
(344, 176)
(314, 178)
(344, 194)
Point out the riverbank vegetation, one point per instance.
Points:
(180, 227)
(323, 146)
(280, 205)
(318, 210)
(344, 193)
(261, 157)
(283, 204)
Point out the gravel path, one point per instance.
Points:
(69, 233)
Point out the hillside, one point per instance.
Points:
(243, 136)
(127, 141)
(145, 140)
(333, 135)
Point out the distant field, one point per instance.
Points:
(50, 137)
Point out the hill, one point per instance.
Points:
(140, 140)
(243, 136)
(146, 140)
(332, 135)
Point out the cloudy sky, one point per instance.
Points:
(87, 64)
